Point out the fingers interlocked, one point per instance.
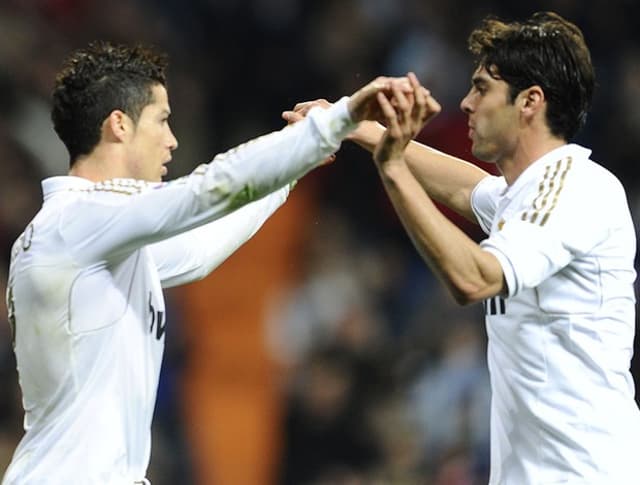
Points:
(405, 114)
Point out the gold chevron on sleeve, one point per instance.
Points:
(557, 194)
(548, 190)
(541, 192)
(541, 186)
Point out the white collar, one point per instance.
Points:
(52, 185)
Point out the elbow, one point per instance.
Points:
(463, 298)
(466, 293)
(472, 287)
(461, 291)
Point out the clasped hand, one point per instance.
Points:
(402, 104)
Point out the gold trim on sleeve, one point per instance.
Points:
(548, 190)
(545, 218)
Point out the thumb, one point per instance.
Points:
(291, 117)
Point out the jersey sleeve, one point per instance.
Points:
(546, 236)
(109, 222)
(194, 254)
(484, 199)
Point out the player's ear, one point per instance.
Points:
(117, 126)
(532, 100)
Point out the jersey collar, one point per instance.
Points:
(52, 185)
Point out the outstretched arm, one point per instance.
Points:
(114, 218)
(447, 179)
(471, 273)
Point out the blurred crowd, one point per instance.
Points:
(382, 378)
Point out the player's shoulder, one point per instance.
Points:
(593, 192)
(566, 182)
(108, 193)
(590, 168)
(571, 169)
(593, 180)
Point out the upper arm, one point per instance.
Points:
(447, 179)
(192, 255)
(484, 200)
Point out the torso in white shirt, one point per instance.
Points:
(560, 344)
(85, 294)
(89, 359)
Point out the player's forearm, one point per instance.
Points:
(447, 179)
(470, 273)
(267, 163)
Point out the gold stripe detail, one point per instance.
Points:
(525, 215)
(560, 187)
(116, 186)
(548, 192)
(104, 189)
(549, 189)
(116, 191)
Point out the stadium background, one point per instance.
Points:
(323, 352)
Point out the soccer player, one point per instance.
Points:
(556, 270)
(86, 276)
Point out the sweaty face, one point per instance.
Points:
(152, 140)
(493, 119)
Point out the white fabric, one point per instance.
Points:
(560, 346)
(85, 293)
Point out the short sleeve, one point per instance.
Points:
(535, 243)
(484, 200)
(528, 253)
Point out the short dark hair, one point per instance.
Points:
(96, 80)
(545, 50)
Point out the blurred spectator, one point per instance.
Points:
(326, 435)
(330, 306)
(451, 399)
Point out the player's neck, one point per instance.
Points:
(526, 152)
(103, 163)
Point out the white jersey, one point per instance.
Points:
(561, 342)
(85, 295)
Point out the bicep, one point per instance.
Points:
(192, 255)
(447, 179)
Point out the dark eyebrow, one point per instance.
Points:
(479, 81)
